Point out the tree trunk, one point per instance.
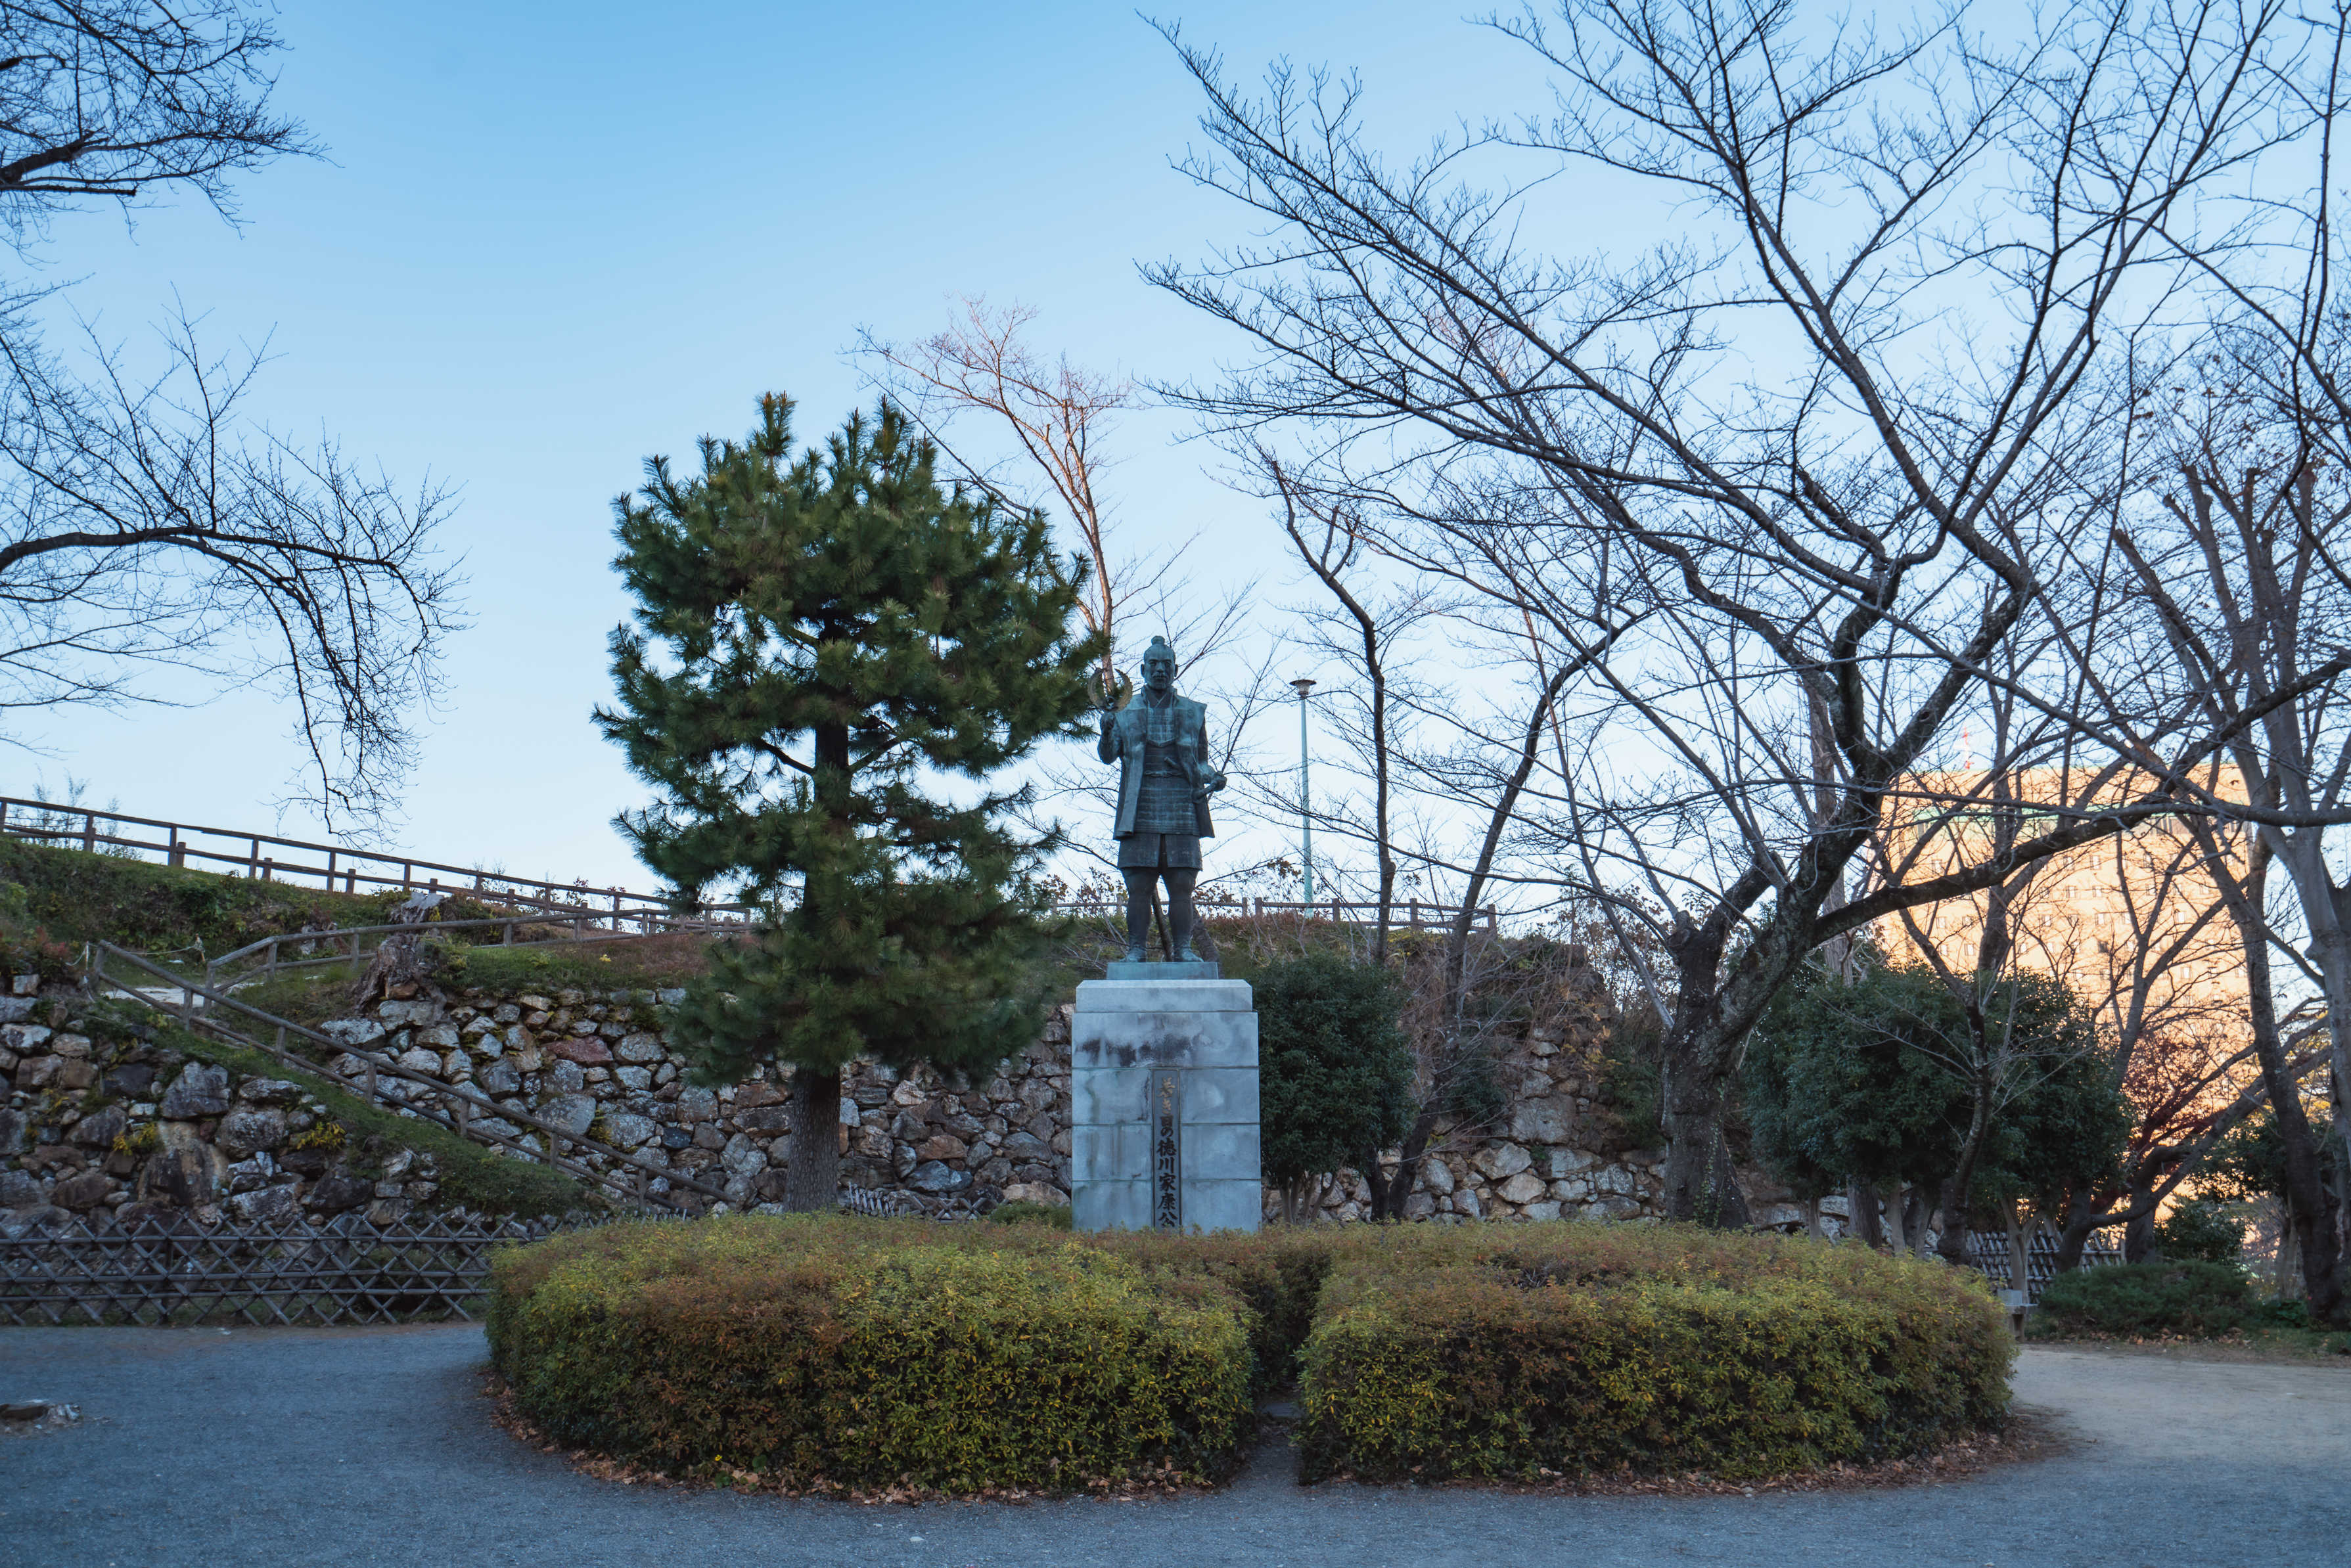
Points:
(1952, 1241)
(812, 1177)
(2073, 1238)
(1388, 1193)
(2313, 1212)
(2019, 1262)
(1896, 1237)
(1861, 1214)
(2138, 1239)
(1699, 1182)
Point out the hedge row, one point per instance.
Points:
(877, 1352)
(1601, 1348)
(2194, 1299)
(871, 1353)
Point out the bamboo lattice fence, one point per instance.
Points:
(169, 1270)
(172, 1271)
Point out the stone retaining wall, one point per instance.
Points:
(98, 1123)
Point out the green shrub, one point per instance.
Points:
(2201, 1231)
(1021, 1211)
(2195, 1299)
(1335, 1069)
(2280, 1312)
(873, 1353)
(1571, 1348)
(821, 1349)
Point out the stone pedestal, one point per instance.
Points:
(1163, 1102)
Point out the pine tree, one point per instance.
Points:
(832, 658)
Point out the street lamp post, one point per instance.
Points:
(1305, 799)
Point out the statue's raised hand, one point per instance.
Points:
(1112, 691)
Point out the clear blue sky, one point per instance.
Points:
(552, 239)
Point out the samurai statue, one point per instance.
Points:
(1160, 741)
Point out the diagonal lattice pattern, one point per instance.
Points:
(175, 1272)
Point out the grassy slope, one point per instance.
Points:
(469, 1174)
(77, 896)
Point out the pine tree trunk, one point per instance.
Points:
(812, 1174)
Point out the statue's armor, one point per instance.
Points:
(1161, 747)
(1166, 822)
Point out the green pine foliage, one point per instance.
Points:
(2251, 1161)
(832, 659)
(1334, 1069)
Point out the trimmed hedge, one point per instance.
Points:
(2194, 1299)
(1575, 1349)
(879, 1352)
(873, 1352)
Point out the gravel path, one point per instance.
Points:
(357, 1446)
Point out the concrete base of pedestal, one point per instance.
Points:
(1163, 1105)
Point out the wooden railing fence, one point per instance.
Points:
(337, 867)
(1404, 914)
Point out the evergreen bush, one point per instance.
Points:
(880, 1353)
(873, 1353)
(2201, 1231)
(2189, 1298)
(1535, 1350)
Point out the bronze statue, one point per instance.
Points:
(1160, 741)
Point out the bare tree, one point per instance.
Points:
(2243, 567)
(147, 523)
(113, 98)
(1057, 415)
(1936, 236)
(144, 521)
(1360, 630)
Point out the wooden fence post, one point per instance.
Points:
(90, 831)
